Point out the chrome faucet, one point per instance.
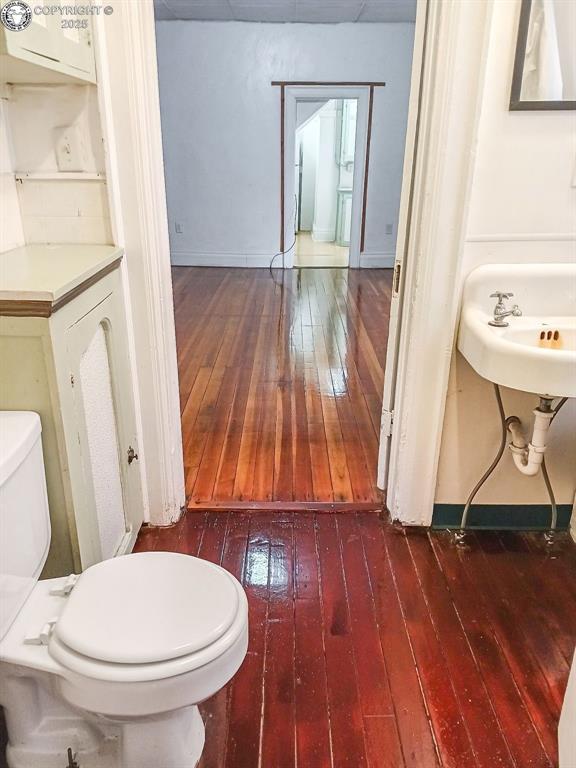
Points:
(500, 311)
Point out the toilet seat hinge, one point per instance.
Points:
(44, 635)
(67, 587)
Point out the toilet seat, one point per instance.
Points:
(148, 616)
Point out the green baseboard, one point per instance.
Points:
(501, 517)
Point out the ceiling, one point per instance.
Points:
(315, 11)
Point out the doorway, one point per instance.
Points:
(325, 148)
(281, 371)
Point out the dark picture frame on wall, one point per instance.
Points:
(517, 102)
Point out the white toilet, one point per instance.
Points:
(110, 664)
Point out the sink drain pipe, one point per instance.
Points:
(528, 457)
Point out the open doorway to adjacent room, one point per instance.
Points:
(284, 163)
(325, 147)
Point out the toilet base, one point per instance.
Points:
(171, 740)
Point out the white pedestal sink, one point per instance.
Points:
(515, 356)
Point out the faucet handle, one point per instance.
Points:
(501, 295)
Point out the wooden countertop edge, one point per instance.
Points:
(32, 308)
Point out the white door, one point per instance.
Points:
(387, 421)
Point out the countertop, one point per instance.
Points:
(48, 273)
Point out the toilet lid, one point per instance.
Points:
(148, 607)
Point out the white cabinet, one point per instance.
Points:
(54, 48)
(40, 38)
(66, 357)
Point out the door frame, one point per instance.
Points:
(291, 95)
(128, 95)
(454, 61)
(445, 122)
(402, 239)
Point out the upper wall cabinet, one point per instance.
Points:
(54, 48)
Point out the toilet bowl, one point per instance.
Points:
(111, 664)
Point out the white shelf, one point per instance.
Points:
(59, 176)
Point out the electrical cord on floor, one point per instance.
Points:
(283, 253)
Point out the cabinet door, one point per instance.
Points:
(110, 514)
(75, 43)
(40, 37)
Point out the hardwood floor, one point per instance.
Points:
(281, 383)
(376, 646)
(311, 253)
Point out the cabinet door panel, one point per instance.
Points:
(103, 443)
(40, 37)
(111, 513)
(75, 43)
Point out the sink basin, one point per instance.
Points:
(556, 333)
(535, 352)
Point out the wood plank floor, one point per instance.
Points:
(281, 383)
(375, 646)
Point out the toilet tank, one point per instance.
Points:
(24, 516)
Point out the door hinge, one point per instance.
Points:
(72, 379)
(131, 454)
(397, 276)
(386, 424)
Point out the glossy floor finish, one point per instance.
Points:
(375, 646)
(312, 253)
(281, 383)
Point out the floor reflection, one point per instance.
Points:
(281, 382)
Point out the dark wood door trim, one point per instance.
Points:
(366, 169)
(350, 83)
(282, 170)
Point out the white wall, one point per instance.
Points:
(221, 126)
(58, 210)
(522, 209)
(36, 111)
(309, 136)
(327, 174)
(11, 233)
(565, 16)
(305, 110)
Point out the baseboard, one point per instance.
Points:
(530, 517)
(377, 260)
(258, 260)
(197, 259)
